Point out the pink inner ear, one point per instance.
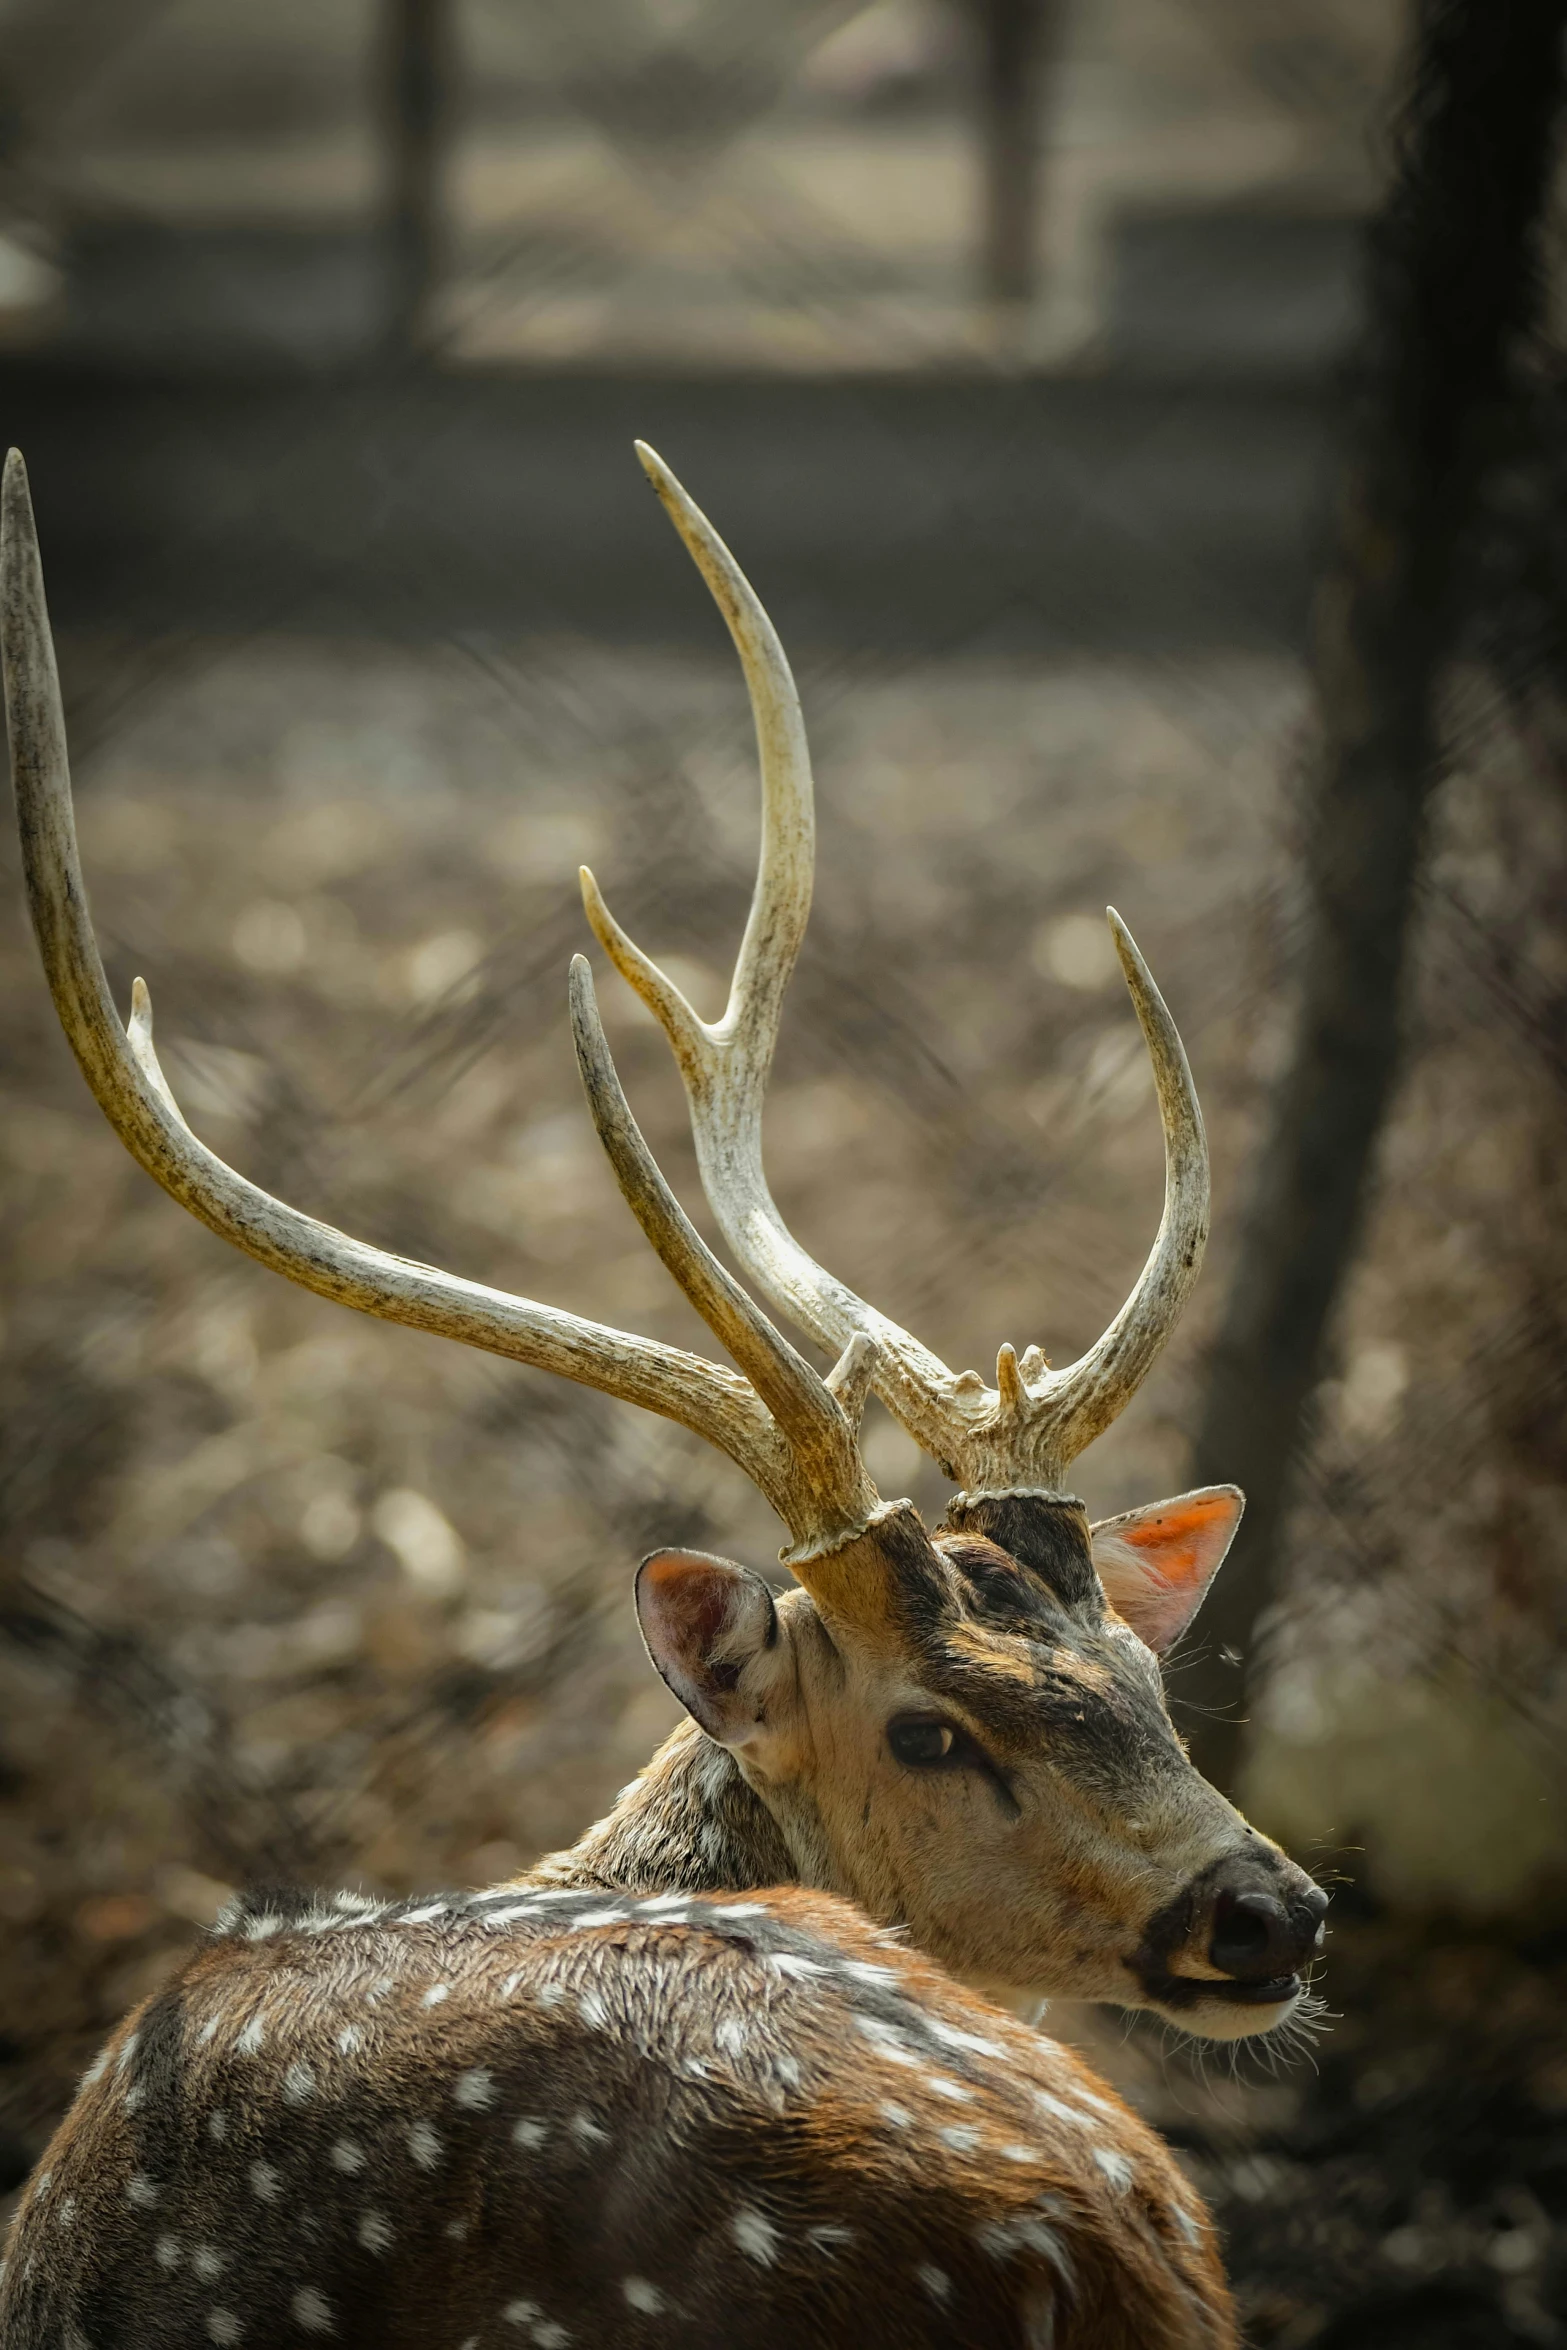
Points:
(692, 1593)
(1157, 1563)
(1184, 1539)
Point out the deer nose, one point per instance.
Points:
(1255, 1936)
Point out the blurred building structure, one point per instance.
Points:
(648, 183)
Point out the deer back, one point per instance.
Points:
(565, 2116)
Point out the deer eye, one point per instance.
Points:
(922, 1744)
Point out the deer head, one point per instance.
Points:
(966, 1734)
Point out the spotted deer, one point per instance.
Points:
(747, 2065)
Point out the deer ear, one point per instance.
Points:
(1156, 1563)
(709, 1627)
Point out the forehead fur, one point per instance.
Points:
(1028, 1652)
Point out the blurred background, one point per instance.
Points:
(1142, 419)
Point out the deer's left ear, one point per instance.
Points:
(1156, 1563)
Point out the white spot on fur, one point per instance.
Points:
(436, 1995)
(551, 1994)
(141, 2190)
(961, 2141)
(899, 2115)
(1185, 2222)
(510, 1984)
(829, 2239)
(375, 2232)
(604, 1917)
(755, 2234)
(350, 2040)
(529, 2133)
(520, 2313)
(594, 2013)
(549, 2335)
(731, 2035)
(641, 2295)
(312, 2310)
(658, 1902)
(424, 2145)
(457, 2229)
(95, 2071)
(951, 2037)
(208, 2032)
(1057, 2111)
(784, 1962)
(126, 2053)
(250, 2039)
(258, 1929)
(1115, 2166)
(936, 2281)
(587, 2131)
(1000, 2238)
(66, 2214)
(208, 2263)
(422, 1917)
(888, 2042)
(347, 2156)
(217, 2124)
(474, 2091)
(299, 2084)
(263, 2182)
(740, 1909)
(939, 2086)
(223, 2325)
(1019, 2154)
(166, 2252)
(135, 2096)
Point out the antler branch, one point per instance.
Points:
(1026, 1430)
(800, 1453)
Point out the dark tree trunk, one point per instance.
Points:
(1453, 279)
(1014, 37)
(415, 39)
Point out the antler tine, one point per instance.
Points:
(1085, 1396)
(820, 1430)
(725, 1064)
(1024, 1432)
(121, 1068)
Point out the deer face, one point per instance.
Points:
(970, 1739)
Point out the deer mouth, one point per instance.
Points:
(1189, 1991)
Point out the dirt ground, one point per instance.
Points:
(290, 1589)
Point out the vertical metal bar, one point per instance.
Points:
(1014, 39)
(416, 44)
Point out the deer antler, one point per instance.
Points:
(791, 1432)
(1021, 1434)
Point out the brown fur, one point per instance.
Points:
(772, 2054)
(729, 2137)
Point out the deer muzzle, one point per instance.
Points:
(1235, 1943)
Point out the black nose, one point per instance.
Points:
(1256, 1936)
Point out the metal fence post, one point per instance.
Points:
(416, 37)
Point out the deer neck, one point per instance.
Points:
(688, 1823)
